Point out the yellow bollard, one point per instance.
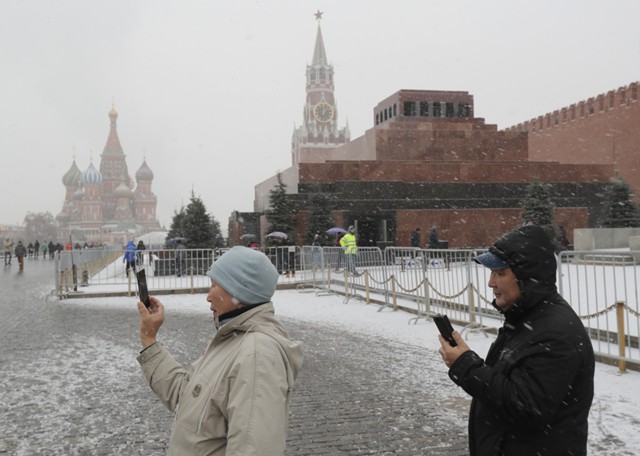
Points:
(622, 364)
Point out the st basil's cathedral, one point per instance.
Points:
(105, 205)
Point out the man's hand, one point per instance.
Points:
(450, 354)
(150, 321)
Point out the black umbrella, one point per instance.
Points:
(177, 240)
(248, 237)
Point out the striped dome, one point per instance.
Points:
(91, 176)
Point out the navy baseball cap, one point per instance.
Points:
(491, 261)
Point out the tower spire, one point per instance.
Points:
(319, 54)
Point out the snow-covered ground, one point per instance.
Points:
(615, 416)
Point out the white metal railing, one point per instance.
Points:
(104, 271)
(602, 287)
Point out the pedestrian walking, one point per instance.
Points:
(288, 249)
(235, 398)
(415, 238)
(532, 393)
(316, 251)
(7, 244)
(20, 252)
(181, 259)
(141, 248)
(434, 243)
(129, 257)
(30, 250)
(350, 247)
(36, 249)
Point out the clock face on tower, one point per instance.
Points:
(323, 112)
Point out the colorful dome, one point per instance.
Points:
(122, 191)
(91, 176)
(144, 173)
(72, 177)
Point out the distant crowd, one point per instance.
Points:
(33, 250)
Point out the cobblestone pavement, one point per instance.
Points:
(70, 385)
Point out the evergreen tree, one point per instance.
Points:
(201, 230)
(176, 225)
(538, 208)
(280, 214)
(621, 212)
(537, 204)
(320, 219)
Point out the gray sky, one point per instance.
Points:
(210, 91)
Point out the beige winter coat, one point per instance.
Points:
(234, 400)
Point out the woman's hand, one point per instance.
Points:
(150, 321)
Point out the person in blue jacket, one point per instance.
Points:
(130, 257)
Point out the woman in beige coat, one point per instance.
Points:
(235, 398)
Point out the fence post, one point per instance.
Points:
(427, 297)
(191, 278)
(366, 286)
(393, 291)
(129, 282)
(622, 364)
(61, 283)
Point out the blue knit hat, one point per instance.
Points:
(245, 274)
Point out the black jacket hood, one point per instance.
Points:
(531, 256)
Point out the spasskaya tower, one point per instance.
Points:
(319, 132)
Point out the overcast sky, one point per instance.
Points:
(210, 91)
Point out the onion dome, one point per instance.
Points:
(72, 177)
(91, 176)
(63, 217)
(144, 173)
(78, 194)
(122, 191)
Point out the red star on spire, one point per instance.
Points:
(318, 14)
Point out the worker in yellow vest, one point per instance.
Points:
(348, 243)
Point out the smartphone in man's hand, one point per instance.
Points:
(143, 292)
(445, 328)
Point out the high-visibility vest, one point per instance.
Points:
(348, 243)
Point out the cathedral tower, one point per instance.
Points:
(113, 167)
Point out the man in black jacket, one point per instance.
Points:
(532, 394)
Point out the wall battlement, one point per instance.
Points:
(601, 104)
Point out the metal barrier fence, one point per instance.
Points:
(104, 271)
(602, 287)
